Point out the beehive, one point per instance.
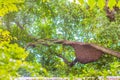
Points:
(85, 53)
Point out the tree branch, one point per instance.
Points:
(64, 59)
(71, 64)
(94, 52)
(106, 50)
(18, 24)
(46, 42)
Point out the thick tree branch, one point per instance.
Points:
(85, 52)
(49, 42)
(109, 51)
(46, 42)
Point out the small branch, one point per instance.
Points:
(18, 24)
(22, 28)
(60, 56)
(64, 59)
(73, 62)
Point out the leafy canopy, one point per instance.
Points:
(101, 3)
(12, 56)
(7, 6)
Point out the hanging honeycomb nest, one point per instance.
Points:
(86, 53)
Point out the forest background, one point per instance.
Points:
(26, 21)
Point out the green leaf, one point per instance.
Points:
(101, 4)
(92, 3)
(111, 4)
(81, 1)
(118, 4)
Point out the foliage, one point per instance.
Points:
(11, 54)
(100, 3)
(13, 59)
(9, 6)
